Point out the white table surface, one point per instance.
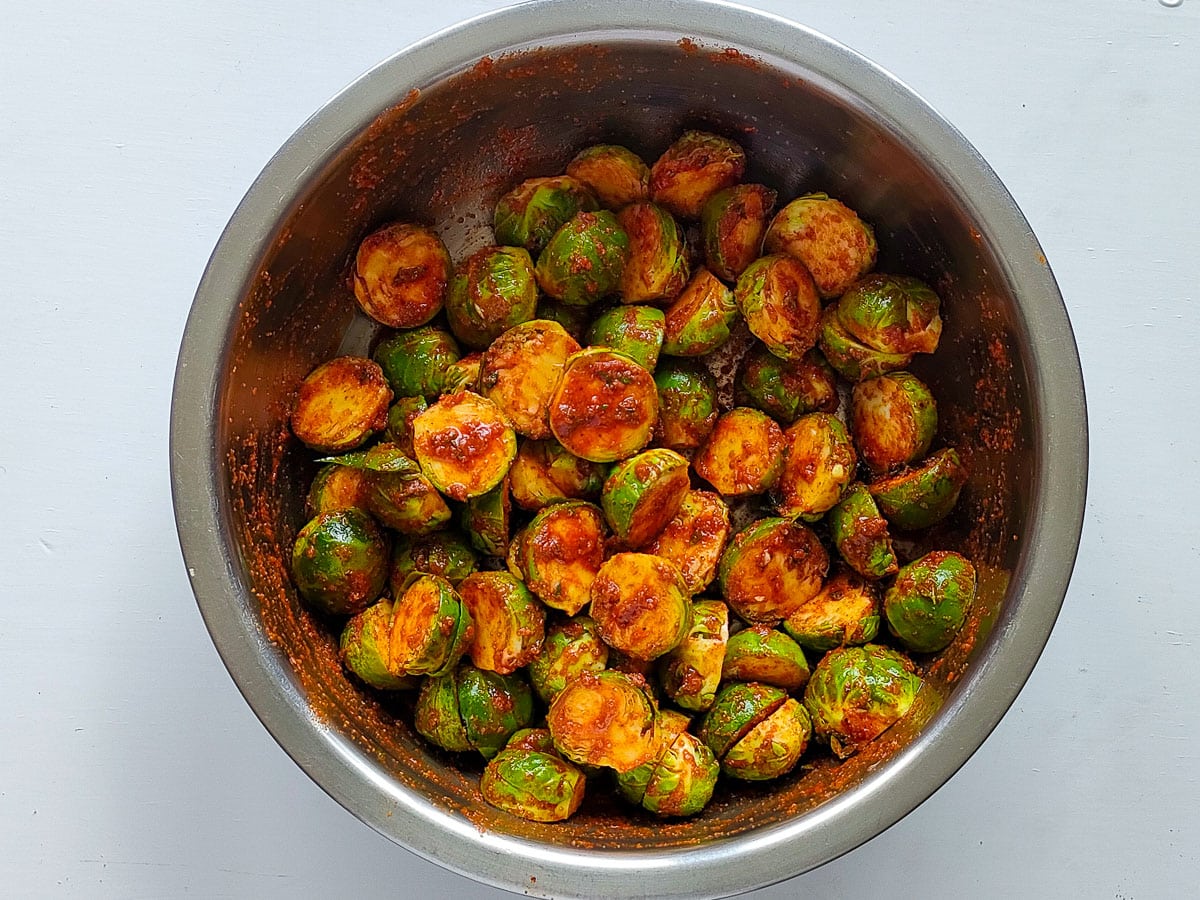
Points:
(129, 764)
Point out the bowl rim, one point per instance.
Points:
(718, 868)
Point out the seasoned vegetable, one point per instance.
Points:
(416, 362)
(636, 331)
(891, 314)
(464, 374)
(493, 707)
(691, 671)
(573, 319)
(604, 719)
(337, 487)
(520, 370)
(699, 319)
(834, 244)
(733, 223)
(818, 464)
(845, 611)
(491, 292)
(687, 404)
(616, 176)
(399, 496)
(464, 445)
(643, 493)
(770, 568)
(534, 785)
(679, 781)
(788, 389)
(928, 602)
(529, 214)
(585, 259)
(431, 629)
(852, 359)
(400, 275)
(738, 708)
(399, 422)
(544, 473)
(572, 646)
(562, 550)
(861, 534)
(604, 407)
(640, 605)
(779, 301)
(668, 725)
(436, 716)
(921, 496)
(341, 404)
(772, 747)
(766, 655)
(693, 169)
(487, 520)
(657, 268)
(339, 562)
(743, 455)
(537, 739)
(364, 648)
(442, 553)
(695, 538)
(893, 418)
(509, 623)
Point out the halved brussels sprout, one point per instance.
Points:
(436, 716)
(400, 275)
(573, 319)
(636, 331)
(341, 404)
(493, 707)
(464, 445)
(657, 268)
(534, 785)
(604, 407)
(788, 388)
(529, 214)
(835, 245)
(695, 539)
(924, 495)
(743, 454)
(766, 655)
(843, 613)
(487, 520)
(733, 223)
(687, 403)
(544, 473)
(400, 497)
(693, 169)
(779, 301)
(894, 418)
(364, 646)
(339, 562)
(928, 602)
(464, 374)
(891, 314)
(738, 708)
(818, 464)
(536, 739)
(616, 176)
(640, 605)
(861, 534)
(643, 493)
(493, 290)
(562, 550)
(699, 319)
(770, 568)
(337, 487)
(683, 780)
(691, 671)
(431, 629)
(772, 747)
(416, 362)
(604, 719)
(856, 694)
(668, 725)
(509, 623)
(852, 359)
(520, 370)
(443, 553)
(585, 259)
(572, 646)
(399, 422)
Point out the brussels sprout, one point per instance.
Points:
(416, 362)
(693, 169)
(604, 719)
(770, 568)
(683, 781)
(520, 370)
(399, 422)
(529, 214)
(516, 551)
(699, 319)
(464, 374)
(509, 623)
(692, 671)
(604, 407)
(536, 739)
(738, 708)
(893, 418)
(491, 292)
(337, 487)
(492, 706)
(657, 268)
(536, 786)
(443, 553)
(891, 314)
(562, 550)
(487, 520)
(695, 538)
(572, 647)
(364, 648)
(436, 716)
(400, 275)
(779, 301)
(584, 260)
(743, 455)
(687, 404)
(341, 404)
(787, 389)
(818, 464)
(928, 602)
(772, 747)
(464, 445)
(431, 629)
(400, 496)
(339, 562)
(921, 496)
(636, 331)
(856, 694)
(732, 223)
(573, 319)
(668, 725)
(853, 360)
(616, 176)
(544, 473)
(844, 612)
(834, 244)
(766, 655)
(643, 493)
(861, 534)
(640, 605)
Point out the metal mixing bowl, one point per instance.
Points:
(436, 134)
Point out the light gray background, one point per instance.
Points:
(129, 764)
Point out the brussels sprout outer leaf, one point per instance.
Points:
(787, 389)
(636, 331)
(364, 646)
(682, 783)
(694, 168)
(616, 175)
(530, 214)
(818, 464)
(668, 725)
(585, 259)
(399, 422)
(687, 402)
(415, 363)
(700, 318)
(851, 359)
(772, 747)
(493, 707)
(657, 267)
(486, 520)
(571, 647)
(436, 716)
(493, 290)
(732, 224)
(828, 237)
(891, 314)
(509, 622)
(337, 487)
(738, 708)
(442, 553)
(928, 602)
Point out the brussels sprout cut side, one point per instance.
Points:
(365, 647)
(845, 611)
(732, 224)
(341, 404)
(894, 418)
(604, 407)
(520, 370)
(743, 454)
(337, 487)
(510, 623)
(692, 671)
(693, 169)
(861, 536)
(818, 464)
(544, 473)
(699, 320)
(400, 275)
(431, 629)
(640, 605)
(779, 301)
(604, 719)
(657, 268)
(771, 568)
(695, 538)
(464, 445)
(616, 175)
(561, 552)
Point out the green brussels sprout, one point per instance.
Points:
(341, 404)
(536, 739)
(687, 404)
(584, 260)
(818, 465)
(834, 244)
(788, 388)
(400, 496)
(844, 612)
(533, 785)
(604, 407)
(680, 780)
(337, 487)
(529, 214)
(561, 553)
(893, 418)
(743, 454)
(573, 319)
(464, 374)
(643, 493)
(520, 370)
(928, 602)
(400, 275)
(442, 553)
(491, 292)
(509, 623)
(436, 716)
(779, 301)
(657, 268)
(772, 747)
(487, 520)
(738, 708)
(891, 314)
(339, 562)
(691, 671)
(464, 445)
(732, 224)
(668, 725)
(766, 655)
(636, 331)
(861, 536)
(399, 422)
(572, 646)
(770, 568)
(694, 168)
(921, 496)
(851, 359)
(616, 176)
(492, 706)
(695, 539)
(544, 473)
(604, 719)
(431, 628)
(416, 362)
(699, 320)
(364, 647)
(856, 694)
(640, 605)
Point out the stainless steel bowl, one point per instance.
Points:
(436, 134)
